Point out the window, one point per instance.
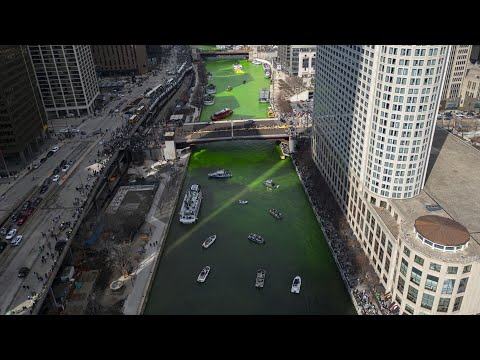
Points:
(416, 276)
(443, 305)
(389, 248)
(458, 303)
(435, 267)
(448, 285)
(404, 267)
(419, 260)
(452, 270)
(412, 294)
(408, 309)
(401, 284)
(466, 269)
(398, 299)
(431, 283)
(462, 285)
(406, 251)
(427, 301)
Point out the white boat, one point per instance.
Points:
(297, 282)
(191, 205)
(237, 67)
(243, 202)
(220, 174)
(270, 184)
(260, 280)
(203, 274)
(276, 214)
(256, 238)
(209, 241)
(256, 62)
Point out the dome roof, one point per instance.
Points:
(442, 230)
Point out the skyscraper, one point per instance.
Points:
(456, 70)
(66, 78)
(375, 110)
(298, 60)
(120, 59)
(22, 117)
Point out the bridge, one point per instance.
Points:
(195, 133)
(204, 54)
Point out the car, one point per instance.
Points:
(5, 230)
(63, 163)
(21, 220)
(23, 271)
(37, 201)
(101, 142)
(3, 245)
(116, 110)
(11, 234)
(42, 160)
(55, 149)
(65, 168)
(74, 130)
(56, 171)
(64, 131)
(17, 240)
(71, 162)
(56, 177)
(50, 153)
(83, 133)
(111, 111)
(35, 166)
(27, 205)
(29, 211)
(47, 181)
(44, 189)
(16, 216)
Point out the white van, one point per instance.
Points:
(64, 131)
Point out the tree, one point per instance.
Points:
(119, 258)
(296, 83)
(282, 103)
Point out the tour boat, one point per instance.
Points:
(211, 89)
(243, 202)
(270, 184)
(297, 282)
(276, 214)
(208, 99)
(209, 241)
(237, 67)
(256, 238)
(203, 274)
(260, 280)
(256, 62)
(191, 205)
(264, 96)
(222, 114)
(285, 149)
(220, 174)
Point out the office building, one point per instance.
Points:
(456, 70)
(470, 91)
(298, 60)
(66, 78)
(402, 185)
(121, 59)
(22, 117)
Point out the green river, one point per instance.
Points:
(293, 246)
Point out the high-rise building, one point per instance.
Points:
(374, 141)
(456, 70)
(470, 91)
(22, 117)
(120, 59)
(66, 78)
(298, 60)
(475, 54)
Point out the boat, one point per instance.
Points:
(222, 114)
(260, 280)
(209, 76)
(209, 241)
(203, 274)
(297, 282)
(191, 205)
(268, 75)
(256, 62)
(220, 174)
(264, 96)
(256, 238)
(237, 67)
(243, 202)
(270, 184)
(228, 88)
(208, 99)
(211, 89)
(285, 149)
(276, 214)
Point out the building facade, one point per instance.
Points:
(375, 108)
(22, 117)
(298, 60)
(470, 91)
(66, 77)
(121, 59)
(456, 70)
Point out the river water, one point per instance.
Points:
(293, 246)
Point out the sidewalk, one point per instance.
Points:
(146, 270)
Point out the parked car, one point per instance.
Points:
(71, 162)
(42, 160)
(36, 165)
(3, 245)
(55, 149)
(11, 234)
(74, 130)
(16, 216)
(23, 271)
(65, 168)
(83, 133)
(17, 240)
(47, 181)
(44, 189)
(37, 201)
(27, 204)
(56, 171)
(21, 220)
(29, 211)
(50, 153)
(56, 177)
(5, 230)
(63, 162)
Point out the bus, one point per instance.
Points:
(133, 119)
(140, 110)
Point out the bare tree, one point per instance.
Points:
(296, 83)
(119, 258)
(282, 103)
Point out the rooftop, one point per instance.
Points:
(453, 182)
(442, 230)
